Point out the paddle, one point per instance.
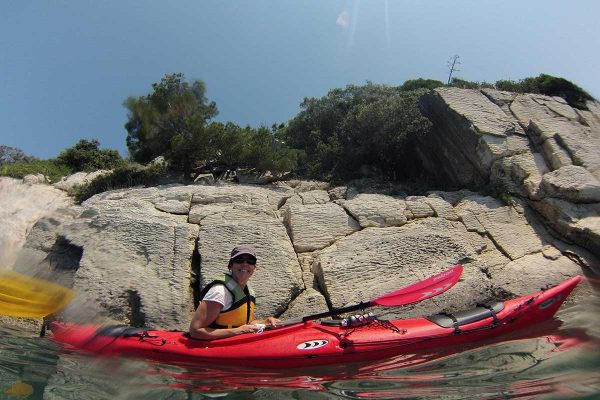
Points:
(28, 297)
(414, 293)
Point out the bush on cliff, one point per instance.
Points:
(551, 86)
(356, 131)
(86, 156)
(51, 168)
(259, 148)
(125, 176)
(464, 84)
(420, 83)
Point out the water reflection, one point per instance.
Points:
(557, 360)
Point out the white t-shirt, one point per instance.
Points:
(219, 294)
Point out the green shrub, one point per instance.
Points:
(550, 86)
(463, 84)
(52, 168)
(87, 156)
(498, 191)
(129, 175)
(420, 83)
(356, 132)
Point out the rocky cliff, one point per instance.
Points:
(141, 255)
(536, 146)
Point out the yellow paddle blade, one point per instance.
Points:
(19, 389)
(28, 297)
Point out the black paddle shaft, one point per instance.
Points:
(335, 311)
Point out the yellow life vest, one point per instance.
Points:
(241, 311)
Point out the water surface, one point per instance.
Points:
(559, 360)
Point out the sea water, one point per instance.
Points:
(557, 360)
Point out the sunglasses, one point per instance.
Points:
(249, 260)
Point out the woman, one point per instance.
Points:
(227, 304)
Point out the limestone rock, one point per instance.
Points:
(174, 206)
(487, 118)
(573, 183)
(305, 186)
(469, 134)
(376, 261)
(30, 327)
(78, 178)
(538, 270)
(199, 212)
(135, 262)
(310, 197)
(34, 179)
(579, 223)
(338, 193)
(417, 207)
(451, 197)
(21, 206)
(376, 210)
(551, 252)
(556, 129)
(469, 218)
(441, 208)
(507, 227)
(521, 174)
(308, 302)
(173, 202)
(315, 226)
(268, 198)
(501, 98)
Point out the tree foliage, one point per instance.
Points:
(258, 148)
(174, 121)
(87, 156)
(359, 128)
(170, 121)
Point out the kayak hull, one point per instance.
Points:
(314, 343)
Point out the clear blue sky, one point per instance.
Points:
(67, 66)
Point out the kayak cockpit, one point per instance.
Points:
(455, 320)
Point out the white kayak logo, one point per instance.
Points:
(312, 344)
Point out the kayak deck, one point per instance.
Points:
(315, 343)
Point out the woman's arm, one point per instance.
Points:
(206, 313)
(270, 321)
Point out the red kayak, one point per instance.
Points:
(322, 342)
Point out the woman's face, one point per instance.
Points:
(242, 268)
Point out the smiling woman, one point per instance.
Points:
(227, 304)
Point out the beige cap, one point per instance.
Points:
(242, 249)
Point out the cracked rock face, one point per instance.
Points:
(534, 146)
(21, 206)
(139, 264)
(141, 255)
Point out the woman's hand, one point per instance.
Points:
(272, 321)
(249, 328)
